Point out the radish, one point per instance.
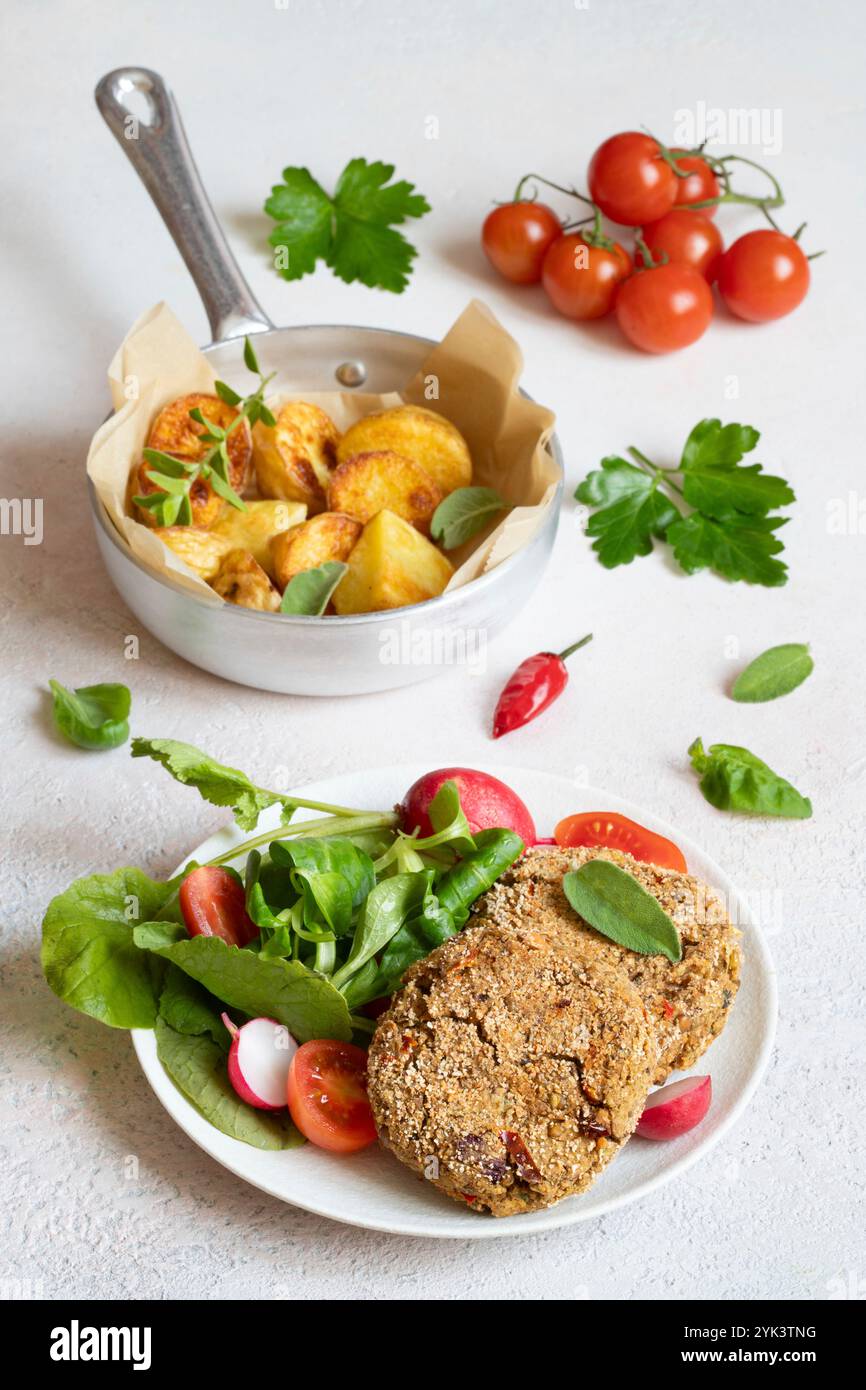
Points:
(674, 1110)
(259, 1060)
(488, 804)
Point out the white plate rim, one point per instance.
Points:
(567, 1212)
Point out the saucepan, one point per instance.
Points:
(286, 653)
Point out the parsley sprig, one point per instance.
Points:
(352, 231)
(731, 526)
(174, 477)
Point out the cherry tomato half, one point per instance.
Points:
(613, 831)
(664, 309)
(213, 904)
(686, 238)
(516, 237)
(630, 181)
(580, 279)
(763, 276)
(699, 183)
(327, 1094)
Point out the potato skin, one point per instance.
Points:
(420, 434)
(365, 484)
(254, 529)
(201, 549)
(328, 536)
(174, 433)
(391, 566)
(294, 458)
(241, 579)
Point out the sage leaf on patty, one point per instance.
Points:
(615, 904)
(775, 672)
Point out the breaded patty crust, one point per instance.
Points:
(688, 1001)
(509, 1072)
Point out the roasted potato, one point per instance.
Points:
(174, 432)
(368, 483)
(422, 435)
(328, 536)
(294, 458)
(202, 550)
(254, 529)
(391, 566)
(241, 579)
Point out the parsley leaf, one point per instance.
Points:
(731, 528)
(352, 232)
(738, 547)
(714, 482)
(633, 511)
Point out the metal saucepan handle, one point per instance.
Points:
(157, 148)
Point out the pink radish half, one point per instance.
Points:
(259, 1060)
(674, 1110)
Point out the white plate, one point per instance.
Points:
(373, 1190)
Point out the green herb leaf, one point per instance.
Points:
(353, 231)
(226, 491)
(227, 393)
(89, 956)
(251, 361)
(714, 483)
(733, 779)
(264, 987)
(94, 717)
(740, 547)
(616, 905)
(388, 906)
(215, 782)
(632, 511)
(310, 591)
(463, 513)
(775, 672)
(197, 1066)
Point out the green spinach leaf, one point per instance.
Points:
(733, 779)
(93, 716)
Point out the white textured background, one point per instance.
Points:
(515, 85)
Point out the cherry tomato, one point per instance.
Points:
(613, 831)
(686, 238)
(327, 1094)
(700, 182)
(516, 237)
(664, 309)
(581, 279)
(763, 276)
(213, 904)
(630, 181)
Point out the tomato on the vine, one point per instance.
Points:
(581, 277)
(686, 238)
(664, 308)
(763, 275)
(630, 180)
(699, 184)
(516, 237)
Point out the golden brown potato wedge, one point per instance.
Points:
(241, 579)
(254, 529)
(391, 566)
(368, 483)
(420, 434)
(328, 536)
(294, 458)
(202, 550)
(174, 432)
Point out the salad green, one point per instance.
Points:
(339, 906)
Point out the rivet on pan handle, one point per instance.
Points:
(157, 148)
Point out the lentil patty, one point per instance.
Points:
(688, 1001)
(509, 1072)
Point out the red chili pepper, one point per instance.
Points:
(537, 682)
